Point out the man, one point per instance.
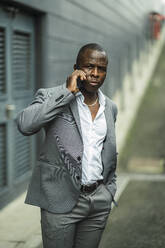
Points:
(74, 180)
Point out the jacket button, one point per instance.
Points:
(78, 178)
(79, 158)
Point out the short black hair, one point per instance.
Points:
(90, 46)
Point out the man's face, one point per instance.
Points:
(94, 64)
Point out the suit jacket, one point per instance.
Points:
(56, 178)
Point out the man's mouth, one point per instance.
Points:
(94, 82)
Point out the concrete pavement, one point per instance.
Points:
(139, 221)
(20, 223)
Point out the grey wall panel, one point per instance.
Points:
(104, 15)
(62, 27)
(62, 50)
(118, 25)
(58, 73)
(76, 30)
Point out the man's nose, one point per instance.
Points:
(95, 71)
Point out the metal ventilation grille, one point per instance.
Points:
(2, 60)
(21, 60)
(22, 161)
(2, 156)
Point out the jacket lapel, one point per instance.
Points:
(109, 120)
(74, 109)
(109, 146)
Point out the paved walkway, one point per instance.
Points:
(20, 223)
(139, 221)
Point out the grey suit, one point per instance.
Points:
(56, 180)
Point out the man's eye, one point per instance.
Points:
(90, 66)
(102, 69)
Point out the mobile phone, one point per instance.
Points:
(80, 83)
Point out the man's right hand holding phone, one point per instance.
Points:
(72, 80)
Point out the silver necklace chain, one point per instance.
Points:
(89, 105)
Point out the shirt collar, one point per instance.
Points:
(101, 96)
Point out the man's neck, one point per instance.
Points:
(89, 97)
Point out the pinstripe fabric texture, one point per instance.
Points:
(65, 133)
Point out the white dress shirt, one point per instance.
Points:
(93, 135)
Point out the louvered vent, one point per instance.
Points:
(21, 60)
(2, 156)
(2, 61)
(22, 162)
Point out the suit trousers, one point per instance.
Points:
(83, 226)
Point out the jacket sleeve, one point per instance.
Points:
(111, 183)
(43, 109)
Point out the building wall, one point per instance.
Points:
(119, 26)
(134, 86)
